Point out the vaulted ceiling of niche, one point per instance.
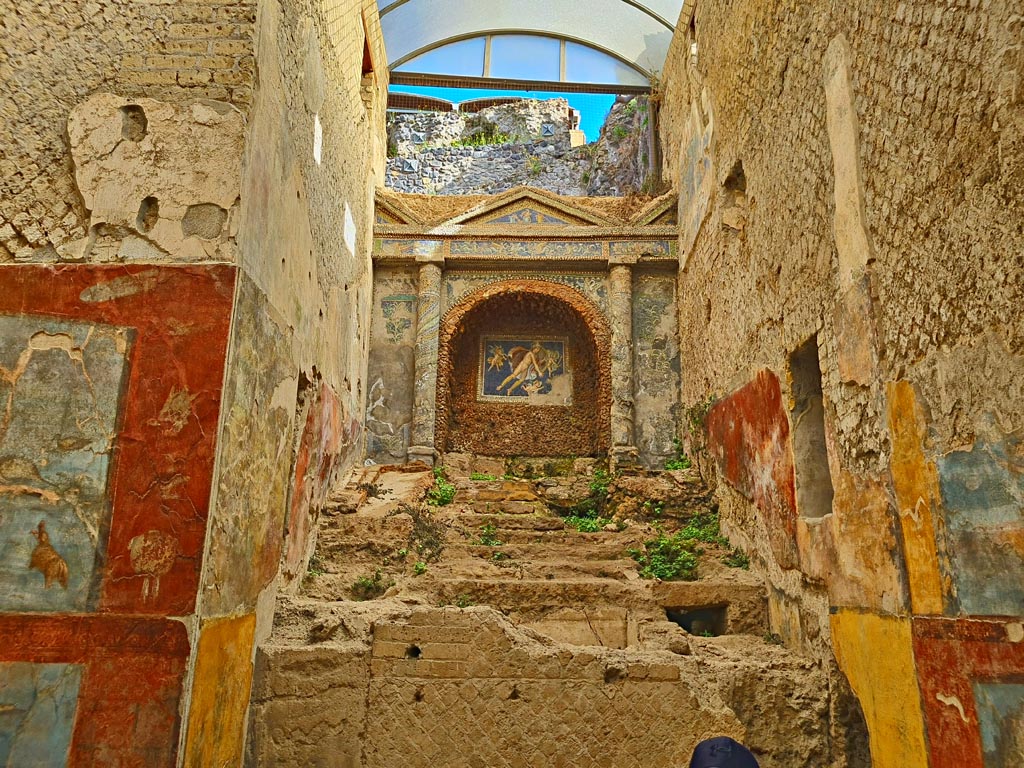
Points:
(632, 35)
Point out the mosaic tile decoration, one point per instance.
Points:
(534, 371)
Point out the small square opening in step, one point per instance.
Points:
(706, 621)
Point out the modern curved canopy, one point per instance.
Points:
(615, 41)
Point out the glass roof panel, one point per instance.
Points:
(464, 58)
(525, 57)
(637, 31)
(586, 65)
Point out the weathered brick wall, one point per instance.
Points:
(54, 55)
(879, 206)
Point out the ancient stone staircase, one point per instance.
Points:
(486, 631)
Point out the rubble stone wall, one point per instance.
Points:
(852, 175)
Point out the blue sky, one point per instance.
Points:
(593, 108)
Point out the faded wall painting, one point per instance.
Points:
(748, 434)
(37, 712)
(55, 454)
(534, 371)
(391, 366)
(982, 493)
(110, 393)
(1001, 719)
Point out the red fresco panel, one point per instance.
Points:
(748, 434)
(127, 708)
(952, 655)
(162, 466)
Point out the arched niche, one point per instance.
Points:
(563, 412)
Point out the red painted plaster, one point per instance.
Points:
(951, 655)
(748, 435)
(161, 471)
(128, 702)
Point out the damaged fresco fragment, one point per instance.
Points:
(55, 455)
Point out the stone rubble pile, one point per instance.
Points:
(525, 143)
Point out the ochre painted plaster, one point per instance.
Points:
(220, 692)
(916, 484)
(876, 654)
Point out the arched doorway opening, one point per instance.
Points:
(524, 370)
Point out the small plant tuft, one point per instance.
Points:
(442, 492)
(484, 139)
(679, 458)
(482, 477)
(669, 558)
(420, 568)
(737, 559)
(587, 524)
(371, 587)
(489, 536)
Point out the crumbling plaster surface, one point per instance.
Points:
(880, 208)
(56, 55)
(163, 177)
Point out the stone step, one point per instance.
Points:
(605, 550)
(540, 595)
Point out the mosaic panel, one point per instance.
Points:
(527, 249)
(643, 248)
(399, 312)
(593, 286)
(389, 248)
(527, 216)
(534, 371)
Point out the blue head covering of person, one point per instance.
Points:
(722, 752)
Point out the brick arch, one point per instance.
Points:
(511, 429)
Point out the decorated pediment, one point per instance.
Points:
(528, 207)
(663, 211)
(390, 211)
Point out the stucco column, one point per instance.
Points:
(620, 302)
(424, 408)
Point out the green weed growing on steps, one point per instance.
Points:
(482, 477)
(489, 536)
(315, 567)
(370, 587)
(669, 558)
(420, 568)
(587, 524)
(679, 459)
(591, 507)
(427, 536)
(674, 557)
(704, 527)
(441, 492)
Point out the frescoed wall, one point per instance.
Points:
(104, 497)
